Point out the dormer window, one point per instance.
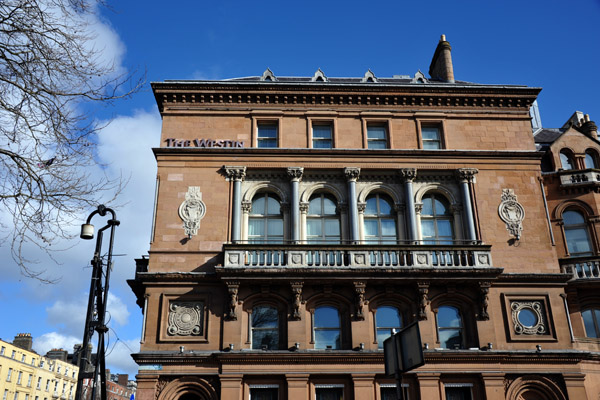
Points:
(319, 76)
(268, 76)
(369, 77)
(591, 159)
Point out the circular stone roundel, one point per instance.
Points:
(184, 319)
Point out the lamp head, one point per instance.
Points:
(87, 231)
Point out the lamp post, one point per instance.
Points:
(96, 310)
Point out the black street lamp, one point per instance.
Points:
(96, 310)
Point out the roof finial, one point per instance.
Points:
(443, 39)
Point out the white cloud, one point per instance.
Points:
(54, 340)
(119, 359)
(118, 310)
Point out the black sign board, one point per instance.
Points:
(403, 350)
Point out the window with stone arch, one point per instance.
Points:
(591, 322)
(566, 159)
(437, 221)
(387, 319)
(577, 236)
(327, 327)
(379, 220)
(323, 220)
(264, 327)
(591, 159)
(450, 327)
(265, 222)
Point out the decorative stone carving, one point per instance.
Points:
(246, 206)
(423, 299)
(185, 318)
(361, 207)
(418, 208)
(360, 299)
(297, 290)
(466, 174)
(192, 210)
(295, 173)
(235, 173)
(484, 288)
(304, 207)
(408, 174)
(512, 213)
(528, 318)
(232, 289)
(352, 173)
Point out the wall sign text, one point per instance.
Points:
(173, 142)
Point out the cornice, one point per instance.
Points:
(382, 96)
(331, 357)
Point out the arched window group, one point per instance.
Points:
(323, 223)
(569, 161)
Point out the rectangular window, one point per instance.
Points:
(267, 135)
(39, 383)
(377, 136)
(322, 136)
(2, 350)
(41, 363)
(5, 394)
(19, 377)
(431, 137)
(9, 374)
(13, 354)
(29, 380)
(47, 384)
(388, 392)
(23, 358)
(458, 391)
(329, 392)
(26, 396)
(16, 396)
(266, 392)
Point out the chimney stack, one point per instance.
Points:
(441, 68)
(23, 341)
(589, 127)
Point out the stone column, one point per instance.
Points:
(429, 385)
(409, 175)
(465, 177)
(493, 385)
(295, 175)
(303, 212)
(237, 174)
(297, 386)
(231, 387)
(352, 176)
(364, 386)
(575, 383)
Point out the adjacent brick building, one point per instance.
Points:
(299, 220)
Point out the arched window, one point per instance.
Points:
(576, 234)
(591, 321)
(265, 328)
(265, 222)
(322, 222)
(326, 331)
(591, 159)
(436, 220)
(450, 327)
(386, 319)
(566, 161)
(379, 221)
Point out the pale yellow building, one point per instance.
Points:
(25, 375)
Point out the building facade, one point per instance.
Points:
(300, 220)
(25, 375)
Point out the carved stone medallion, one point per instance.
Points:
(528, 318)
(512, 213)
(192, 210)
(185, 319)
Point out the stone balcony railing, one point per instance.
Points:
(575, 177)
(581, 267)
(356, 256)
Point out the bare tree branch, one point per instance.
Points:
(51, 74)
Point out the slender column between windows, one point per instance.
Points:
(295, 174)
(465, 176)
(237, 174)
(352, 176)
(409, 175)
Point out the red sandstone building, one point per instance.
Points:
(300, 220)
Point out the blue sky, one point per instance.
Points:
(550, 44)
